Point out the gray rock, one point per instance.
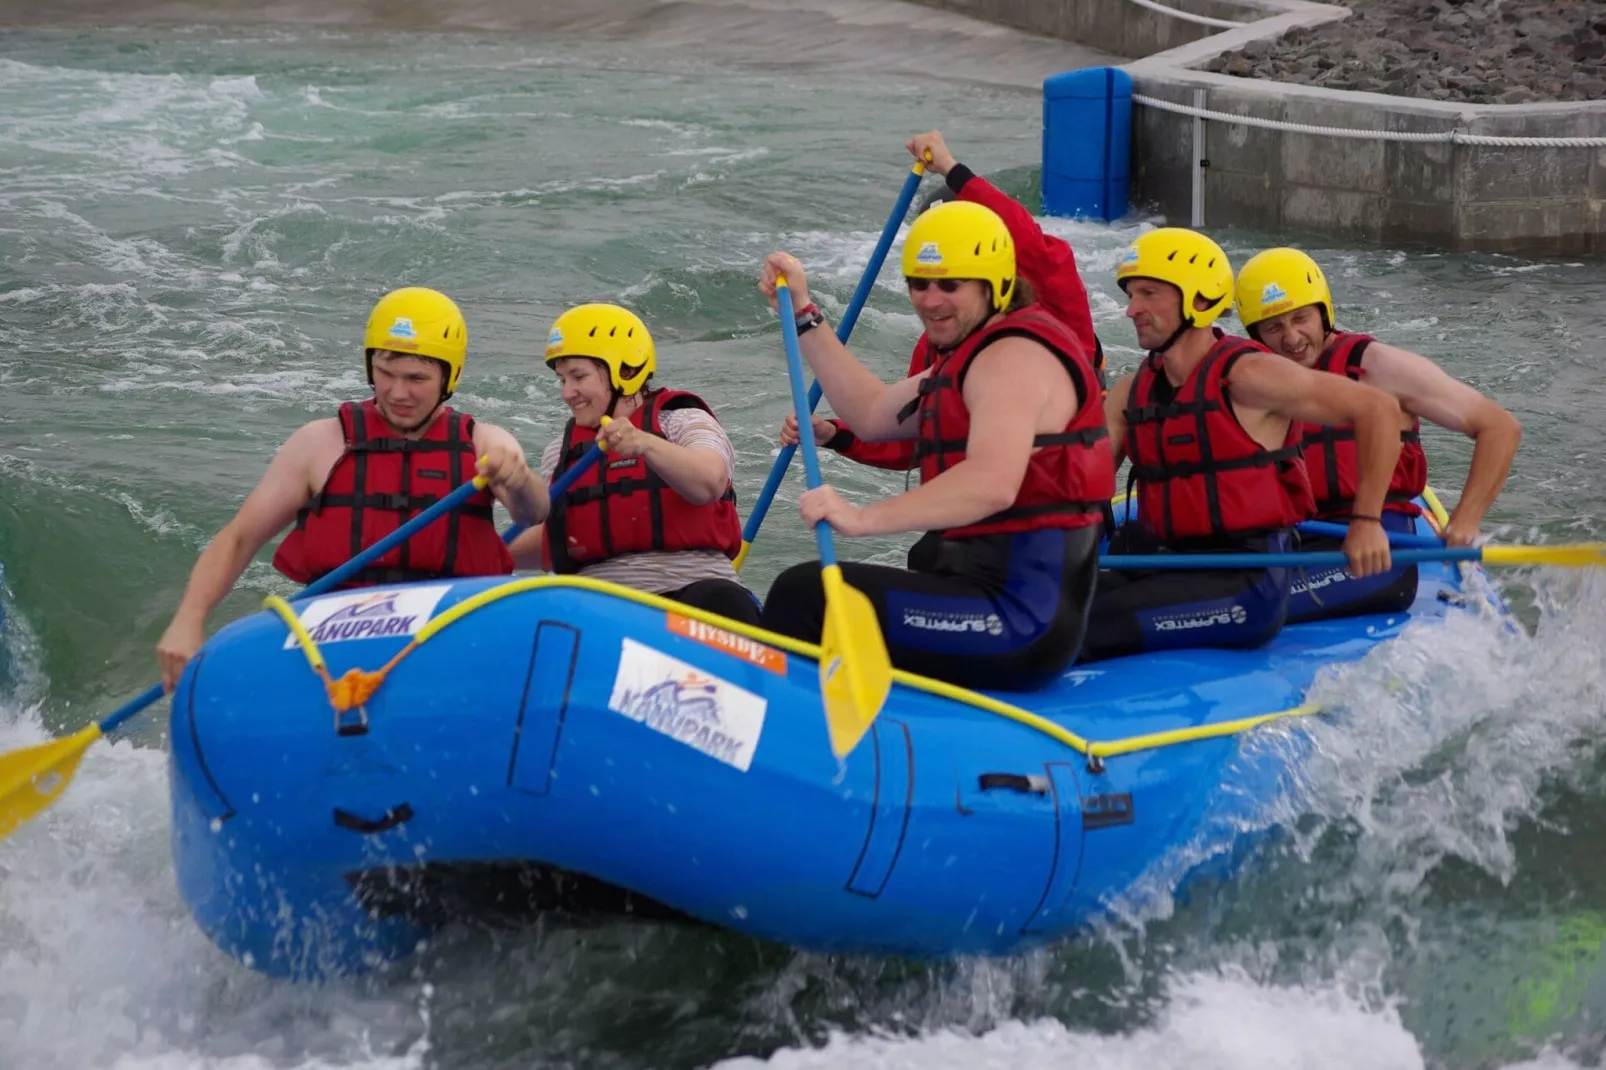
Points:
(1481, 51)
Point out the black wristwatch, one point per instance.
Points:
(808, 318)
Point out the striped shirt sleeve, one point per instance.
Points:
(549, 460)
(695, 429)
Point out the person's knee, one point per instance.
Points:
(796, 600)
(728, 599)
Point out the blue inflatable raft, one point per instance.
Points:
(550, 743)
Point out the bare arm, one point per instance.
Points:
(512, 482)
(1115, 416)
(526, 548)
(1425, 390)
(1016, 389)
(1277, 385)
(284, 488)
(270, 507)
(859, 397)
(862, 400)
(696, 473)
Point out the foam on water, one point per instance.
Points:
(1210, 1021)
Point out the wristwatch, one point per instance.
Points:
(808, 318)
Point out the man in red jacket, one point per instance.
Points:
(1044, 261)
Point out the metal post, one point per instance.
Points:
(1199, 160)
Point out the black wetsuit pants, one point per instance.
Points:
(1002, 612)
(1135, 612)
(1322, 594)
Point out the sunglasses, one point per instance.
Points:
(947, 286)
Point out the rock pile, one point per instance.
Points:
(1477, 51)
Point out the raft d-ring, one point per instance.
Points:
(352, 722)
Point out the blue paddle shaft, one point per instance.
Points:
(128, 709)
(811, 453)
(559, 489)
(844, 330)
(1396, 538)
(1321, 559)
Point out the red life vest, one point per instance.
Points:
(1330, 452)
(1199, 473)
(921, 358)
(621, 506)
(380, 482)
(1071, 475)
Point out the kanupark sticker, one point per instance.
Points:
(342, 618)
(703, 711)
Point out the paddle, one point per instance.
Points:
(565, 481)
(843, 331)
(1396, 538)
(1575, 555)
(855, 670)
(32, 778)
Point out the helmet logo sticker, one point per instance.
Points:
(1131, 256)
(929, 253)
(555, 338)
(403, 328)
(1271, 294)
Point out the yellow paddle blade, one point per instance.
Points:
(855, 670)
(1575, 555)
(31, 778)
(741, 555)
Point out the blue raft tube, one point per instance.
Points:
(354, 770)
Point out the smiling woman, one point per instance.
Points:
(660, 515)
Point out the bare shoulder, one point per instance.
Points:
(1025, 354)
(308, 454)
(1382, 359)
(1383, 352)
(1268, 370)
(1260, 362)
(319, 440)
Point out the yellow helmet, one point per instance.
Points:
(1187, 260)
(961, 240)
(1280, 280)
(616, 336)
(420, 323)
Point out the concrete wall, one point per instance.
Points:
(1117, 26)
(1534, 200)
(1460, 197)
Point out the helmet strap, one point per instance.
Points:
(446, 379)
(1182, 328)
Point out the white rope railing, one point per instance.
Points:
(1188, 16)
(1457, 137)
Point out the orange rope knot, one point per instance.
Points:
(357, 686)
(353, 689)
